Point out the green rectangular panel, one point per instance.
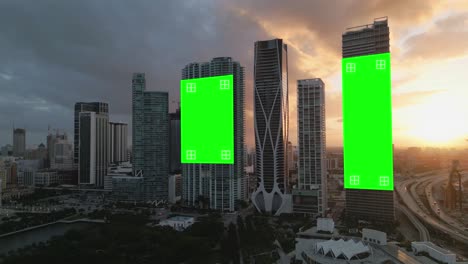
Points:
(367, 122)
(207, 120)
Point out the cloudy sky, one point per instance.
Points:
(55, 53)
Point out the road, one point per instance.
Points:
(423, 232)
(435, 207)
(413, 203)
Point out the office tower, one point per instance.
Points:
(219, 186)
(271, 125)
(118, 133)
(150, 143)
(19, 142)
(310, 196)
(52, 139)
(62, 157)
(174, 139)
(93, 140)
(97, 107)
(372, 205)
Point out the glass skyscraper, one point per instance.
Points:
(219, 186)
(150, 139)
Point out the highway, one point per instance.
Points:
(412, 201)
(423, 232)
(435, 206)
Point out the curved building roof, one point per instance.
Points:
(345, 249)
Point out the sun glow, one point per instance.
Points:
(440, 120)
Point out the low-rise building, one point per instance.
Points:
(45, 178)
(374, 236)
(434, 251)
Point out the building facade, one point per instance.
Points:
(219, 186)
(174, 127)
(271, 117)
(97, 107)
(370, 205)
(19, 142)
(118, 142)
(93, 148)
(312, 171)
(150, 142)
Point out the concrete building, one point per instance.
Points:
(174, 142)
(26, 178)
(93, 148)
(122, 169)
(179, 223)
(219, 186)
(175, 188)
(370, 205)
(53, 138)
(118, 137)
(19, 142)
(3, 178)
(62, 155)
(434, 251)
(271, 116)
(374, 236)
(6, 150)
(45, 178)
(150, 142)
(312, 170)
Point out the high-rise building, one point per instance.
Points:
(19, 142)
(375, 205)
(52, 139)
(219, 186)
(174, 140)
(150, 143)
(97, 107)
(310, 196)
(93, 148)
(118, 133)
(271, 126)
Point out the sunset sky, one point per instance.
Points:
(55, 53)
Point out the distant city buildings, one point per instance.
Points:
(118, 142)
(310, 196)
(219, 186)
(150, 142)
(93, 147)
(370, 205)
(19, 142)
(271, 126)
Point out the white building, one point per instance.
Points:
(178, 223)
(122, 169)
(434, 251)
(325, 224)
(312, 170)
(374, 236)
(45, 178)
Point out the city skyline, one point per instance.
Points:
(422, 80)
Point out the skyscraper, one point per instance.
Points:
(118, 133)
(310, 197)
(375, 205)
(271, 126)
(93, 148)
(150, 142)
(19, 142)
(219, 186)
(97, 107)
(174, 138)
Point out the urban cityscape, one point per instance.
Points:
(93, 167)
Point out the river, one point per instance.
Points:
(42, 234)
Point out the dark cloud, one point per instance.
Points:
(55, 53)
